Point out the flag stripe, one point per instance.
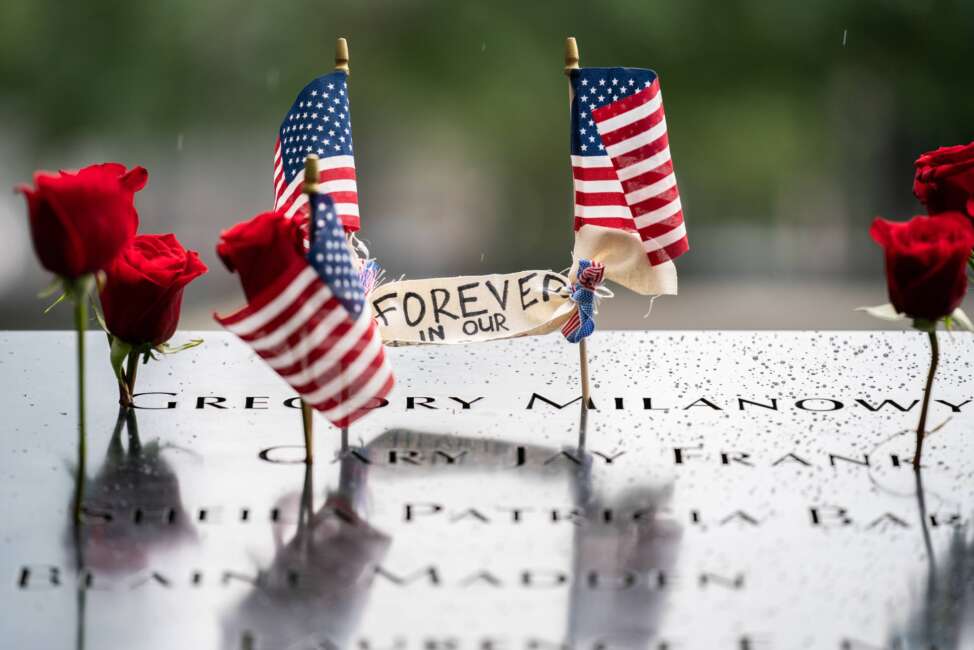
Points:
(605, 212)
(294, 316)
(343, 185)
(626, 131)
(659, 214)
(251, 319)
(589, 174)
(620, 223)
(655, 202)
(651, 190)
(584, 186)
(348, 409)
(601, 198)
(349, 415)
(648, 177)
(662, 240)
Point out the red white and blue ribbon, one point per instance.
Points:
(583, 294)
(369, 275)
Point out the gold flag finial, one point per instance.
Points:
(310, 174)
(571, 55)
(341, 55)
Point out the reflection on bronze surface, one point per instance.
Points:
(621, 610)
(132, 506)
(316, 588)
(111, 537)
(943, 617)
(450, 453)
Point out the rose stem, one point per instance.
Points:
(80, 325)
(308, 422)
(921, 427)
(131, 370)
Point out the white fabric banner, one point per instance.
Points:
(471, 308)
(624, 256)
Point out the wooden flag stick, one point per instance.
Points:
(341, 64)
(341, 55)
(307, 419)
(310, 187)
(571, 63)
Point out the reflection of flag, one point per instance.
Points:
(319, 122)
(314, 330)
(621, 159)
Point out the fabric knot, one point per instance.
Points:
(583, 293)
(590, 275)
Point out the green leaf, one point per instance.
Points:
(100, 317)
(165, 348)
(883, 312)
(120, 350)
(56, 285)
(54, 304)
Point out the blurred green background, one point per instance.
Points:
(791, 123)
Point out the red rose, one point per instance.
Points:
(945, 179)
(143, 288)
(926, 263)
(262, 250)
(79, 221)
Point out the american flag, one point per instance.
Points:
(319, 122)
(315, 330)
(621, 161)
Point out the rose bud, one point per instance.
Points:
(944, 179)
(79, 221)
(143, 288)
(262, 250)
(926, 263)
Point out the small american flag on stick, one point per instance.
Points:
(313, 327)
(318, 123)
(621, 164)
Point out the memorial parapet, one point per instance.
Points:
(734, 490)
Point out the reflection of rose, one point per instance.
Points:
(144, 288)
(79, 221)
(942, 612)
(945, 179)
(926, 263)
(136, 479)
(315, 589)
